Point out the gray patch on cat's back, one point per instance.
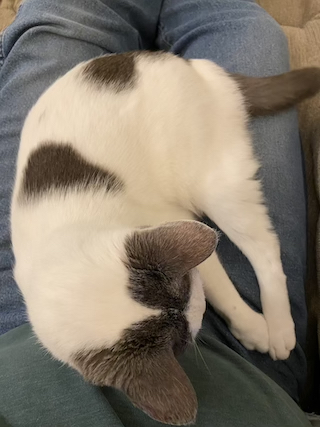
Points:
(59, 167)
(117, 71)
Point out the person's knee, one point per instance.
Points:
(264, 46)
(240, 36)
(80, 23)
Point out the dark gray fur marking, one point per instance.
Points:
(143, 366)
(159, 261)
(267, 95)
(118, 71)
(154, 289)
(155, 334)
(173, 248)
(59, 167)
(152, 281)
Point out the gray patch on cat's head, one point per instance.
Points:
(159, 261)
(142, 362)
(59, 167)
(143, 366)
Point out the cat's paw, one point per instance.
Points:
(282, 338)
(252, 331)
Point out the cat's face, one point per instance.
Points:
(160, 277)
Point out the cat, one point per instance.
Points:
(118, 159)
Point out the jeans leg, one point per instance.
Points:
(243, 38)
(47, 39)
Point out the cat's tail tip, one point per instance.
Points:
(268, 95)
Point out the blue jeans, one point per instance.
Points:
(50, 37)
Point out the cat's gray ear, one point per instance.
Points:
(159, 387)
(154, 382)
(174, 247)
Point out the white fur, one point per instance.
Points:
(179, 141)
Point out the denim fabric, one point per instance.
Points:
(50, 37)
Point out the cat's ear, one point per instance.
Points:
(159, 387)
(153, 381)
(175, 247)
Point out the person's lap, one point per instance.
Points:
(48, 38)
(40, 392)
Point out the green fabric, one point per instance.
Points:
(3, 422)
(37, 391)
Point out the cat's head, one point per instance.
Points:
(161, 276)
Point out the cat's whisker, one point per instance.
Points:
(195, 353)
(201, 340)
(199, 351)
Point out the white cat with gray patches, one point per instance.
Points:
(117, 159)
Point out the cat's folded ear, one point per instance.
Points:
(161, 389)
(154, 382)
(174, 247)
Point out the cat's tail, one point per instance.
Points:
(267, 95)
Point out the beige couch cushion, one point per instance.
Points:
(8, 10)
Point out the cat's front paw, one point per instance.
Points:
(282, 338)
(252, 331)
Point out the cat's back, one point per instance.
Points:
(124, 110)
(101, 104)
(114, 135)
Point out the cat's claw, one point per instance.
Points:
(282, 339)
(252, 332)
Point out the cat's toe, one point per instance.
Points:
(282, 341)
(278, 352)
